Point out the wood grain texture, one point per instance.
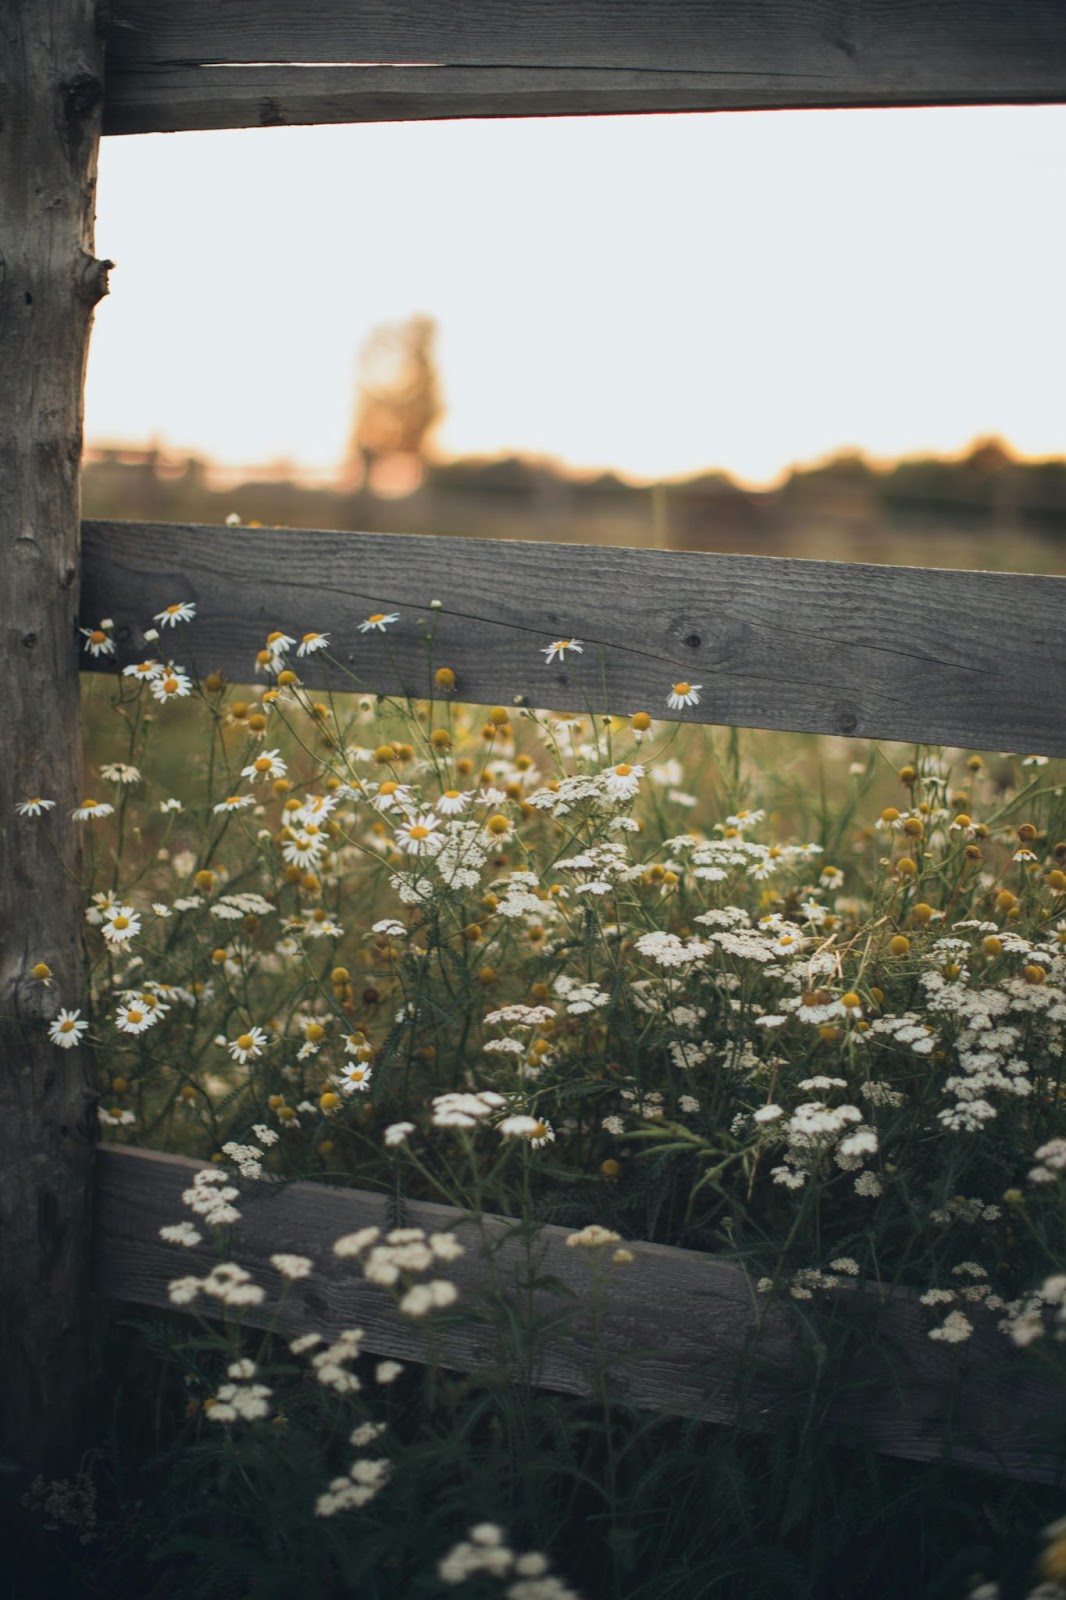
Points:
(683, 1328)
(821, 647)
(552, 57)
(179, 99)
(51, 94)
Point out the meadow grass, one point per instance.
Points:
(796, 1001)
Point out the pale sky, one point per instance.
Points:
(657, 294)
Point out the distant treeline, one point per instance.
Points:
(987, 508)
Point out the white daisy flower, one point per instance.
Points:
(247, 1046)
(418, 835)
(121, 923)
(148, 670)
(684, 694)
(453, 801)
(378, 620)
(268, 765)
(134, 1018)
(354, 1075)
(170, 616)
(559, 648)
(312, 642)
(34, 807)
(172, 684)
(235, 802)
(278, 644)
(67, 1029)
(120, 772)
(623, 781)
(315, 806)
(97, 642)
(304, 849)
(89, 810)
(115, 1117)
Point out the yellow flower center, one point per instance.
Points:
(497, 825)
(97, 636)
(419, 831)
(245, 1042)
(378, 616)
(682, 688)
(307, 638)
(133, 1015)
(121, 922)
(169, 685)
(172, 610)
(451, 794)
(272, 638)
(67, 1026)
(88, 805)
(263, 764)
(623, 770)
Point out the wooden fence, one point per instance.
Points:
(963, 658)
(818, 646)
(685, 1332)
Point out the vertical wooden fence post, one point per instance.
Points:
(51, 99)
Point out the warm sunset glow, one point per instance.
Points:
(656, 294)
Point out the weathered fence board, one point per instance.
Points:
(545, 57)
(51, 91)
(179, 99)
(975, 659)
(684, 1329)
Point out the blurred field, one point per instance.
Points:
(984, 511)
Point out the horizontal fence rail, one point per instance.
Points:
(682, 1328)
(328, 60)
(971, 659)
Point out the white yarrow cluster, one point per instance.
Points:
(485, 1550)
(366, 1478)
(464, 1110)
(245, 1402)
(211, 1196)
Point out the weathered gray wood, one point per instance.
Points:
(176, 99)
(883, 40)
(682, 1327)
(822, 647)
(50, 107)
(484, 58)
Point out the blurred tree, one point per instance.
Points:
(398, 401)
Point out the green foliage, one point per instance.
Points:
(737, 994)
